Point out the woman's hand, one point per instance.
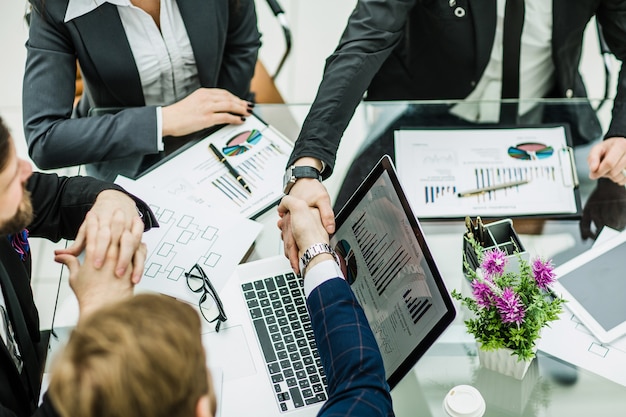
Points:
(204, 108)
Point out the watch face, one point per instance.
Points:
(288, 178)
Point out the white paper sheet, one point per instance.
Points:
(569, 340)
(190, 233)
(434, 166)
(197, 175)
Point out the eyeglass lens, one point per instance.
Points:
(212, 310)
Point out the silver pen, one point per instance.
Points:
(484, 190)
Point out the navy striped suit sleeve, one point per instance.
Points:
(350, 355)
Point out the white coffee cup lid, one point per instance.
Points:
(464, 401)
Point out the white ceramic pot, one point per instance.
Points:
(503, 361)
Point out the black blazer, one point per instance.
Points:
(225, 41)
(60, 205)
(419, 49)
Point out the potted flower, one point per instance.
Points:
(510, 307)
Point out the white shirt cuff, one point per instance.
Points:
(319, 274)
(159, 115)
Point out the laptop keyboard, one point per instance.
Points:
(278, 310)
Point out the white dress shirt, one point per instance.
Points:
(536, 66)
(164, 58)
(319, 274)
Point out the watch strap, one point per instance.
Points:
(314, 250)
(294, 173)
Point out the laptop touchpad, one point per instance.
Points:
(229, 350)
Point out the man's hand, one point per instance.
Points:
(608, 159)
(204, 108)
(305, 226)
(315, 195)
(112, 221)
(95, 287)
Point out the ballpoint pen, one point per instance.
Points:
(220, 157)
(484, 190)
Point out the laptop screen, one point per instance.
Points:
(391, 271)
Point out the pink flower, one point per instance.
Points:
(510, 307)
(494, 261)
(543, 271)
(482, 293)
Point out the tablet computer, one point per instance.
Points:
(594, 284)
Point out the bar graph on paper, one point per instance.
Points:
(439, 169)
(491, 176)
(258, 153)
(252, 169)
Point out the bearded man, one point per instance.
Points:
(104, 222)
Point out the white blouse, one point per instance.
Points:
(164, 58)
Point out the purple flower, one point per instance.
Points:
(510, 307)
(494, 261)
(543, 271)
(482, 293)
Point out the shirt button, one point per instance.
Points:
(569, 93)
(459, 12)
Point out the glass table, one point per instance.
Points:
(552, 387)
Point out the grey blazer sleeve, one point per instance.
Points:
(373, 30)
(54, 138)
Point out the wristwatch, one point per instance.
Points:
(294, 173)
(314, 250)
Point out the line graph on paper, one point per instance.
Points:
(440, 157)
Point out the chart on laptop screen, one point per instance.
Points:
(388, 272)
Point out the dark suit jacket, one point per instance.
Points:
(224, 39)
(419, 49)
(354, 368)
(60, 205)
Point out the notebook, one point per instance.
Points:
(270, 363)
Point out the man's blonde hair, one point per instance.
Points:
(141, 356)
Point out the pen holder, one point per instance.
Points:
(499, 234)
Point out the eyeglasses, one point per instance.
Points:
(530, 151)
(198, 281)
(241, 142)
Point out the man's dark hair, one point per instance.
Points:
(4, 144)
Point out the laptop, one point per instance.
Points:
(265, 349)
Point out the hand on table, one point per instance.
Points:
(305, 226)
(608, 159)
(606, 206)
(112, 221)
(204, 108)
(314, 194)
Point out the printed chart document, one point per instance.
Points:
(491, 172)
(582, 348)
(190, 233)
(256, 151)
